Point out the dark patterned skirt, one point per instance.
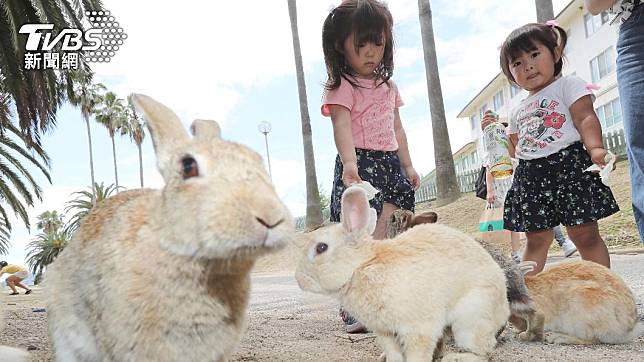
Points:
(382, 170)
(555, 190)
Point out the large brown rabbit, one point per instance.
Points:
(524, 311)
(408, 289)
(163, 275)
(584, 303)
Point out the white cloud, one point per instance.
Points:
(406, 57)
(202, 66)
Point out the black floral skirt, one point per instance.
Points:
(555, 190)
(382, 170)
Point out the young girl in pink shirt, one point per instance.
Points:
(363, 102)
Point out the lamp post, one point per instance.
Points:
(265, 127)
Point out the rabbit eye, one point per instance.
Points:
(321, 248)
(189, 167)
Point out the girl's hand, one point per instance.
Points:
(490, 198)
(350, 174)
(598, 155)
(413, 177)
(488, 118)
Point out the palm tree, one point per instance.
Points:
(87, 95)
(49, 221)
(17, 186)
(313, 209)
(4, 238)
(545, 11)
(36, 94)
(134, 128)
(82, 204)
(446, 183)
(44, 249)
(111, 114)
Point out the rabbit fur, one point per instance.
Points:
(409, 289)
(163, 275)
(584, 303)
(524, 313)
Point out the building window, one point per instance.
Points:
(602, 64)
(514, 90)
(498, 101)
(593, 23)
(610, 114)
(474, 121)
(482, 111)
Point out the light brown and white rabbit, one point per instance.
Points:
(584, 303)
(524, 311)
(407, 290)
(163, 275)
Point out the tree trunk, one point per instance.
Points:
(116, 173)
(545, 11)
(313, 208)
(138, 145)
(91, 160)
(446, 184)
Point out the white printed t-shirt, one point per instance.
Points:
(543, 120)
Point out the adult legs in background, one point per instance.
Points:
(566, 245)
(630, 80)
(515, 244)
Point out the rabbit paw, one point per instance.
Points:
(561, 338)
(463, 357)
(526, 336)
(395, 358)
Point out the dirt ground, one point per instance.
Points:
(286, 324)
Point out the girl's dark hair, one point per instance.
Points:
(524, 39)
(3, 264)
(368, 20)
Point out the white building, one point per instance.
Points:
(590, 54)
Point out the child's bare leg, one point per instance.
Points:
(381, 225)
(589, 243)
(515, 241)
(537, 248)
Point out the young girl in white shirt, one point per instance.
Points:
(556, 135)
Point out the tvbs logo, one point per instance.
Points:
(97, 44)
(70, 39)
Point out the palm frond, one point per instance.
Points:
(82, 204)
(4, 238)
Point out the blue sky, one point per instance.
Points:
(233, 62)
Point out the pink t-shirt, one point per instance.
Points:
(372, 112)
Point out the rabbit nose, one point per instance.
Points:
(267, 225)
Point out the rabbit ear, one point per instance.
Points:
(427, 217)
(205, 129)
(357, 216)
(165, 127)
